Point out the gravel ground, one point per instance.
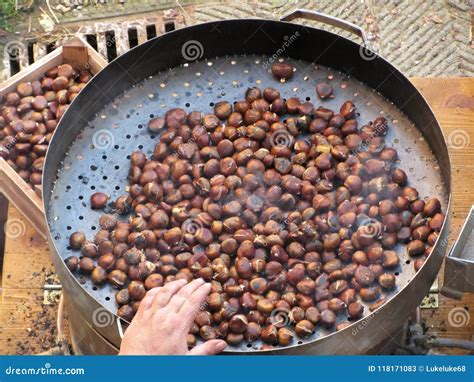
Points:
(422, 38)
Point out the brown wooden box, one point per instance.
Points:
(80, 55)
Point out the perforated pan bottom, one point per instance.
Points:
(98, 158)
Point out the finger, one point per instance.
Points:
(145, 304)
(208, 348)
(193, 303)
(184, 293)
(163, 297)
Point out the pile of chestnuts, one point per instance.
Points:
(291, 211)
(29, 116)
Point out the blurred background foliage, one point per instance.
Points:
(8, 13)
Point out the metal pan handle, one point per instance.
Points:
(459, 268)
(327, 19)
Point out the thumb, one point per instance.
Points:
(208, 348)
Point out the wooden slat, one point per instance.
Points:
(76, 56)
(22, 196)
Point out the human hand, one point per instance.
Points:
(164, 319)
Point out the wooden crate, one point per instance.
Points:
(78, 54)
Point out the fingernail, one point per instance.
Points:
(201, 280)
(221, 345)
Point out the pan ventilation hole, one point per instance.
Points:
(92, 187)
